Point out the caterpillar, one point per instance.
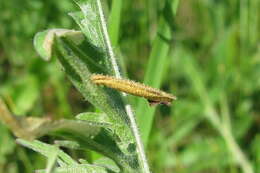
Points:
(153, 96)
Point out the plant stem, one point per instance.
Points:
(107, 40)
(225, 131)
(236, 152)
(140, 148)
(11, 121)
(221, 125)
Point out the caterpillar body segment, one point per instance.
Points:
(154, 96)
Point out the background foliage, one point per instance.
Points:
(211, 62)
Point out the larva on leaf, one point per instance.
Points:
(154, 96)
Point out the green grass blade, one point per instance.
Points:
(157, 65)
(114, 21)
(153, 77)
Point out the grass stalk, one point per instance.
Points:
(114, 21)
(140, 148)
(222, 126)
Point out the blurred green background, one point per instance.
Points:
(211, 61)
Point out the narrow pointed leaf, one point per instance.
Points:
(47, 150)
(43, 41)
(83, 168)
(99, 118)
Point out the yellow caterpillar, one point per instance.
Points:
(154, 96)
